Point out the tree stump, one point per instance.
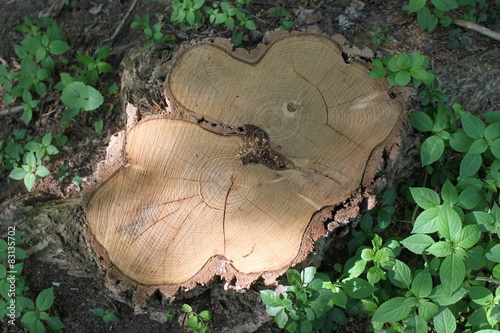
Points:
(236, 177)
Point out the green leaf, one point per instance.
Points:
(469, 236)
(417, 243)
(431, 150)
(55, 323)
(460, 142)
(426, 20)
(427, 310)
(427, 221)
(192, 321)
(495, 148)
(449, 193)
(469, 198)
(425, 197)
(421, 121)
(402, 78)
(416, 324)
(358, 288)
(472, 125)
(400, 275)
(452, 272)
(281, 318)
(440, 249)
(307, 274)
(250, 25)
(78, 95)
(58, 47)
(422, 284)
(205, 315)
(111, 317)
(416, 5)
(187, 308)
(494, 254)
(492, 116)
(45, 299)
(29, 181)
(445, 322)
(403, 61)
(29, 317)
(470, 165)
(17, 173)
(98, 312)
(391, 311)
(293, 277)
(449, 223)
(478, 147)
(442, 297)
(480, 295)
(42, 171)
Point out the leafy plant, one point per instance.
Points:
(192, 322)
(153, 32)
(106, 315)
(402, 68)
(36, 317)
(42, 41)
(285, 18)
(380, 34)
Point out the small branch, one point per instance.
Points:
(120, 26)
(479, 28)
(14, 109)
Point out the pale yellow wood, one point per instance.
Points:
(185, 195)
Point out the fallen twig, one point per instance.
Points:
(476, 27)
(14, 109)
(120, 26)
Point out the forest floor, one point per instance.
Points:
(380, 25)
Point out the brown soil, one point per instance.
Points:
(87, 27)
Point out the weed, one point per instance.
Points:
(106, 315)
(193, 322)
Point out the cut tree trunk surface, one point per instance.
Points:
(253, 145)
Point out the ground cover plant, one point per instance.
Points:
(442, 275)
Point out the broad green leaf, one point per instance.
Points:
(469, 236)
(98, 312)
(452, 272)
(187, 308)
(492, 116)
(480, 295)
(281, 318)
(469, 198)
(419, 73)
(472, 125)
(416, 5)
(400, 275)
(78, 95)
(17, 173)
(494, 254)
(45, 299)
(55, 323)
(29, 180)
(495, 148)
(445, 5)
(422, 284)
(367, 254)
(391, 311)
(443, 298)
(488, 331)
(58, 47)
(449, 193)
(478, 147)
(461, 142)
(339, 298)
(191, 322)
(474, 258)
(293, 277)
(403, 60)
(402, 78)
(307, 274)
(42, 171)
(470, 165)
(425, 197)
(427, 221)
(427, 310)
(440, 249)
(426, 20)
(421, 121)
(417, 243)
(358, 288)
(29, 317)
(205, 315)
(445, 322)
(431, 150)
(449, 223)
(416, 324)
